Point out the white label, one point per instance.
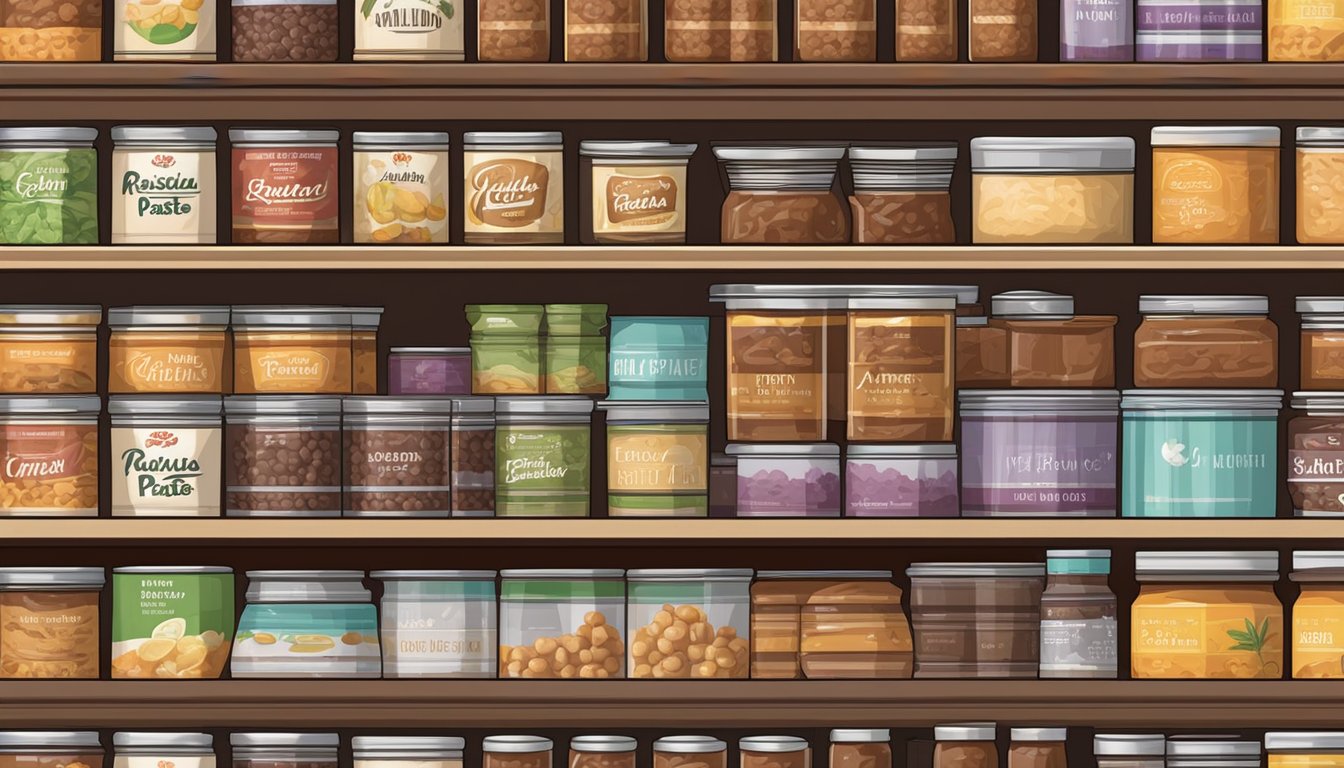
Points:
(163, 196)
(421, 29)
(165, 472)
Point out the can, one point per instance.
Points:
(171, 622)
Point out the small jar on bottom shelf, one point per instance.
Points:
(133, 749)
(550, 620)
(282, 456)
(1038, 748)
(902, 193)
(1305, 749)
(774, 752)
(58, 609)
(407, 751)
(787, 480)
(438, 624)
(1079, 629)
(1318, 616)
(861, 748)
(285, 750)
(307, 624)
(1216, 185)
(690, 752)
(515, 752)
(602, 752)
(397, 456)
(1130, 750)
(513, 30)
(701, 616)
(965, 745)
(51, 749)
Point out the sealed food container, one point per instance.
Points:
(835, 30)
(722, 485)
(746, 31)
(50, 749)
(1002, 30)
(1096, 30)
(965, 744)
(401, 179)
(1079, 632)
(49, 348)
(690, 752)
(855, 629)
(774, 752)
(1302, 32)
(1304, 749)
(1049, 345)
(438, 624)
(284, 181)
(1218, 608)
(364, 322)
(701, 616)
(602, 752)
(506, 357)
(57, 609)
(292, 350)
(635, 191)
(1130, 750)
(48, 176)
(861, 748)
(429, 371)
(542, 456)
(551, 620)
(1037, 748)
(163, 177)
(902, 192)
(283, 456)
(1200, 31)
(1052, 190)
(777, 600)
(171, 622)
(31, 30)
(926, 30)
(606, 31)
(397, 456)
(1201, 453)
(1318, 616)
(49, 456)
(514, 188)
(1316, 455)
(513, 31)
(1215, 184)
(473, 457)
(1222, 751)
(782, 195)
(901, 480)
(1320, 167)
(135, 749)
(777, 368)
(307, 624)
(407, 751)
(169, 349)
(515, 752)
(576, 350)
(657, 458)
(285, 750)
(1039, 452)
(1206, 341)
(974, 620)
(167, 456)
(901, 368)
(658, 358)
(163, 32)
(1322, 342)
(787, 480)
(982, 353)
(286, 31)
(407, 30)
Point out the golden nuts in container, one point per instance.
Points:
(690, 623)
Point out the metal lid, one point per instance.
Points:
(1078, 561)
(902, 450)
(172, 569)
(431, 351)
(1202, 400)
(512, 138)
(384, 405)
(269, 136)
(772, 744)
(50, 405)
(52, 577)
(168, 316)
(562, 574)
(932, 304)
(406, 747)
(515, 744)
(785, 304)
(965, 732)
(655, 411)
(1319, 134)
(365, 318)
(400, 139)
(1077, 553)
(636, 149)
(912, 151)
(150, 135)
(1287, 741)
(1320, 305)
(463, 404)
(165, 405)
(1307, 560)
(1038, 734)
(1101, 402)
(1129, 745)
(85, 315)
(307, 587)
(965, 294)
(976, 570)
(1203, 305)
(1215, 136)
(1050, 154)
(782, 152)
(544, 405)
(1218, 565)
(689, 574)
(434, 575)
(790, 450)
(1034, 305)
(246, 317)
(41, 739)
(1212, 746)
(322, 740)
(1317, 402)
(690, 745)
(281, 405)
(829, 575)
(48, 135)
(860, 735)
(972, 321)
(603, 744)
(146, 739)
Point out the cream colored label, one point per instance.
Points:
(163, 196)
(401, 196)
(1192, 193)
(165, 472)
(290, 370)
(172, 29)
(654, 462)
(170, 369)
(639, 199)
(29, 353)
(432, 28)
(514, 192)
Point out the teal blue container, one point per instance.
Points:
(307, 624)
(658, 358)
(1200, 452)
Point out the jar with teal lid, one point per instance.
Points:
(690, 622)
(542, 456)
(438, 624)
(564, 623)
(657, 459)
(1079, 630)
(307, 624)
(1200, 452)
(659, 358)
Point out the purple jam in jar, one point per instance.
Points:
(787, 480)
(902, 480)
(429, 371)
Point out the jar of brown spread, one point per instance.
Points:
(1322, 342)
(602, 752)
(902, 193)
(783, 195)
(901, 367)
(1316, 454)
(861, 748)
(982, 353)
(1049, 346)
(690, 752)
(515, 752)
(965, 745)
(776, 369)
(50, 749)
(1038, 748)
(775, 752)
(1206, 341)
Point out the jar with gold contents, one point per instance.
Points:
(1216, 184)
(1306, 30)
(1320, 183)
(1305, 749)
(401, 187)
(49, 349)
(169, 350)
(292, 350)
(57, 609)
(635, 191)
(602, 752)
(855, 628)
(1203, 341)
(901, 365)
(1318, 616)
(777, 368)
(49, 455)
(689, 623)
(364, 322)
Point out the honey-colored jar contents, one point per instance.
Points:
(1039, 208)
(1206, 351)
(594, 650)
(900, 376)
(309, 362)
(1073, 352)
(1322, 357)
(49, 634)
(1216, 195)
(965, 754)
(856, 630)
(1318, 629)
(777, 627)
(49, 470)
(776, 386)
(681, 642)
(364, 358)
(48, 363)
(1306, 30)
(1207, 631)
(168, 361)
(1320, 196)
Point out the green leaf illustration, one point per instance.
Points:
(367, 7)
(446, 8)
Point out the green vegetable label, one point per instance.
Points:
(542, 470)
(48, 197)
(171, 624)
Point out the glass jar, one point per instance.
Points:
(777, 368)
(48, 176)
(50, 749)
(49, 348)
(171, 622)
(157, 750)
(408, 30)
(1318, 616)
(285, 750)
(515, 752)
(1208, 31)
(634, 191)
(174, 349)
(1315, 458)
(1079, 629)
(777, 600)
(168, 32)
(1002, 30)
(1206, 341)
(1321, 342)
(606, 32)
(576, 364)
(1052, 190)
(1320, 167)
(1039, 452)
(542, 456)
(1215, 184)
(659, 358)
(429, 371)
(407, 751)
(49, 456)
(902, 192)
(1038, 748)
(1130, 750)
(163, 178)
(965, 745)
(774, 752)
(58, 611)
(513, 31)
(310, 32)
(167, 455)
(787, 480)
(902, 480)
(473, 457)
(860, 748)
(1049, 346)
(782, 195)
(1218, 607)
(562, 624)
(926, 30)
(397, 456)
(976, 620)
(506, 348)
(602, 752)
(690, 623)
(698, 31)
(401, 179)
(1096, 30)
(657, 458)
(1222, 751)
(1300, 31)
(855, 629)
(1180, 443)
(33, 31)
(1305, 749)
(262, 437)
(284, 181)
(310, 624)
(292, 350)
(438, 624)
(514, 187)
(364, 322)
(900, 369)
(982, 353)
(690, 752)
(835, 30)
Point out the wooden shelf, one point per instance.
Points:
(690, 257)
(766, 703)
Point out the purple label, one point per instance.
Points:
(1193, 17)
(1099, 30)
(1095, 52)
(1200, 52)
(778, 493)
(1045, 466)
(901, 488)
(429, 375)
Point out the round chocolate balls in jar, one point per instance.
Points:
(473, 457)
(515, 752)
(690, 752)
(396, 456)
(282, 456)
(285, 30)
(690, 623)
(562, 623)
(775, 752)
(602, 752)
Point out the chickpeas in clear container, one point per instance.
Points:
(690, 623)
(602, 752)
(690, 752)
(564, 624)
(515, 752)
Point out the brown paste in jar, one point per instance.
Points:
(1037, 754)
(514, 30)
(856, 630)
(837, 30)
(1206, 351)
(776, 627)
(860, 755)
(516, 759)
(775, 379)
(580, 759)
(900, 374)
(965, 754)
(918, 217)
(668, 759)
(1315, 459)
(282, 470)
(1322, 357)
(926, 30)
(605, 30)
(982, 354)
(797, 759)
(1073, 352)
(767, 217)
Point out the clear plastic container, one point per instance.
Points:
(901, 367)
(429, 371)
(439, 624)
(262, 438)
(49, 349)
(777, 368)
(1130, 750)
(562, 624)
(397, 456)
(310, 624)
(543, 456)
(473, 457)
(169, 349)
(902, 480)
(690, 623)
(1215, 184)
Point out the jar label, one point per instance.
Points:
(171, 625)
(627, 201)
(185, 368)
(178, 29)
(50, 634)
(650, 461)
(900, 384)
(1092, 25)
(401, 196)
(48, 366)
(542, 468)
(427, 28)
(1079, 645)
(1219, 16)
(168, 472)
(511, 192)
(286, 189)
(290, 370)
(1179, 467)
(49, 197)
(1038, 466)
(333, 639)
(776, 387)
(421, 646)
(1179, 637)
(1317, 466)
(49, 469)
(1318, 639)
(163, 196)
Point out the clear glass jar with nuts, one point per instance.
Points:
(689, 752)
(690, 623)
(602, 752)
(562, 624)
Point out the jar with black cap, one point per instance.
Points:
(775, 752)
(1130, 750)
(285, 750)
(1213, 752)
(136, 749)
(690, 752)
(602, 752)
(965, 745)
(1038, 748)
(516, 752)
(861, 748)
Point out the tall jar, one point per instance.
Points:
(861, 748)
(48, 176)
(291, 31)
(602, 752)
(777, 369)
(1320, 168)
(542, 456)
(513, 30)
(158, 750)
(782, 195)
(1096, 30)
(307, 624)
(262, 437)
(902, 193)
(657, 458)
(1003, 30)
(834, 30)
(397, 456)
(704, 31)
(901, 365)
(926, 30)
(513, 188)
(562, 624)
(1318, 615)
(401, 181)
(606, 31)
(50, 749)
(1130, 750)
(33, 31)
(774, 752)
(473, 457)
(58, 607)
(49, 456)
(163, 178)
(169, 349)
(167, 456)
(285, 182)
(407, 751)
(1079, 630)
(364, 322)
(1316, 454)
(962, 745)
(1216, 184)
(1206, 341)
(438, 624)
(285, 750)
(690, 623)
(515, 752)
(49, 349)
(690, 752)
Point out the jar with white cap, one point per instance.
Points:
(602, 752)
(861, 748)
(775, 752)
(965, 745)
(516, 752)
(698, 751)
(1038, 748)
(1130, 750)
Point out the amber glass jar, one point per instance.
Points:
(901, 367)
(1206, 341)
(1322, 342)
(1038, 748)
(775, 752)
(50, 749)
(861, 748)
(1320, 182)
(689, 752)
(902, 193)
(307, 351)
(982, 353)
(602, 752)
(854, 628)
(169, 350)
(1049, 346)
(965, 745)
(1216, 184)
(1318, 617)
(49, 349)
(1316, 454)
(515, 752)
(776, 372)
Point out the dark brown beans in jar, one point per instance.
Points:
(284, 30)
(473, 457)
(283, 456)
(396, 456)
(1003, 30)
(514, 30)
(689, 752)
